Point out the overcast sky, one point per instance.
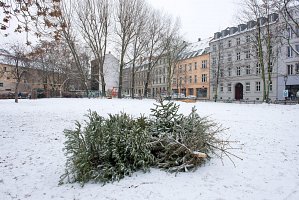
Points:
(200, 18)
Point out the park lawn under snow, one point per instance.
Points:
(32, 157)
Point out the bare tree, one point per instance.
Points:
(265, 37)
(288, 11)
(172, 54)
(93, 22)
(128, 24)
(19, 61)
(69, 36)
(160, 28)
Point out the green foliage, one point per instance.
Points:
(107, 149)
(178, 140)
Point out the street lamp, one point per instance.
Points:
(285, 78)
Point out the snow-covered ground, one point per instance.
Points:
(32, 157)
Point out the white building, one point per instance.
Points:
(234, 62)
(111, 73)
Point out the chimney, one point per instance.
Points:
(109, 52)
(199, 39)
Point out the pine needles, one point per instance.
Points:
(112, 148)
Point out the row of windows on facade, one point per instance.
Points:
(204, 64)
(247, 53)
(239, 70)
(229, 43)
(291, 33)
(247, 87)
(190, 80)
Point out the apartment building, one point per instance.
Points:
(33, 80)
(236, 73)
(288, 78)
(111, 73)
(192, 72)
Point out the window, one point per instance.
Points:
(221, 59)
(270, 69)
(214, 47)
(229, 43)
(190, 79)
(221, 87)
(221, 72)
(164, 79)
(174, 80)
(238, 71)
(191, 91)
(297, 68)
(290, 69)
(214, 73)
(180, 69)
(1, 84)
(248, 71)
(238, 55)
(185, 68)
(203, 78)
(229, 57)
(270, 86)
(195, 78)
(238, 41)
(229, 71)
(195, 66)
(247, 54)
(229, 87)
(258, 68)
(190, 67)
(247, 38)
(213, 60)
(4, 69)
(289, 52)
(247, 87)
(220, 45)
(289, 33)
(258, 86)
(181, 80)
(204, 64)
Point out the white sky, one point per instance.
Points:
(200, 18)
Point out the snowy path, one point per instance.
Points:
(32, 159)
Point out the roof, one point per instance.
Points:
(195, 49)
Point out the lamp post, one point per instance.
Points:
(285, 78)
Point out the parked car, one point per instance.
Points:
(177, 95)
(191, 97)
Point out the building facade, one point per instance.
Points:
(110, 71)
(288, 78)
(192, 72)
(236, 72)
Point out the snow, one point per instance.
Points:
(32, 157)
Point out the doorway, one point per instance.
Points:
(239, 91)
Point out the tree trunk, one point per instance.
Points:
(17, 93)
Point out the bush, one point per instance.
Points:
(109, 149)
